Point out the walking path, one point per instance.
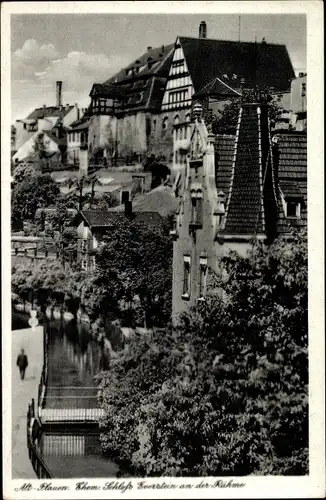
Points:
(22, 393)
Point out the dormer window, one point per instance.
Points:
(292, 199)
(186, 277)
(293, 209)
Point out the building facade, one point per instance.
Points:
(53, 120)
(134, 113)
(231, 189)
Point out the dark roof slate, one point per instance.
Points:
(259, 63)
(144, 89)
(107, 218)
(224, 151)
(49, 111)
(290, 164)
(245, 198)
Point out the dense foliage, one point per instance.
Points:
(120, 286)
(33, 192)
(122, 274)
(225, 122)
(225, 393)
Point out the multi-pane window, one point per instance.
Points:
(84, 264)
(202, 276)
(196, 208)
(186, 276)
(178, 96)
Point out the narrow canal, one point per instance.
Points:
(74, 360)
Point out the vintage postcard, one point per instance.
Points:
(162, 250)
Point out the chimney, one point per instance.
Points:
(202, 30)
(58, 94)
(162, 49)
(128, 208)
(77, 110)
(149, 48)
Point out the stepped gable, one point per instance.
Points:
(244, 206)
(290, 164)
(224, 151)
(261, 64)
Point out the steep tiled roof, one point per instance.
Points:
(106, 90)
(220, 87)
(107, 218)
(259, 63)
(244, 205)
(161, 65)
(224, 151)
(50, 111)
(144, 86)
(290, 164)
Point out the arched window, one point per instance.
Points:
(154, 125)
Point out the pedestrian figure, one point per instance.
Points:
(22, 363)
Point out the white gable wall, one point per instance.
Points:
(27, 149)
(179, 89)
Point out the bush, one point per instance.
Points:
(226, 392)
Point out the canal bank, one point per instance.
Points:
(31, 340)
(74, 358)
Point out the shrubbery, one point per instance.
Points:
(226, 392)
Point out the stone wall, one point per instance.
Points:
(160, 136)
(197, 242)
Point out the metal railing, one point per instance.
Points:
(33, 432)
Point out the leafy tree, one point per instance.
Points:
(22, 172)
(31, 193)
(225, 393)
(47, 281)
(124, 261)
(226, 120)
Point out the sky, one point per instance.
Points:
(82, 49)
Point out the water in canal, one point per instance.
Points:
(74, 359)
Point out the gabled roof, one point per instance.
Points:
(218, 87)
(101, 219)
(50, 111)
(259, 63)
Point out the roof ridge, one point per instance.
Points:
(230, 41)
